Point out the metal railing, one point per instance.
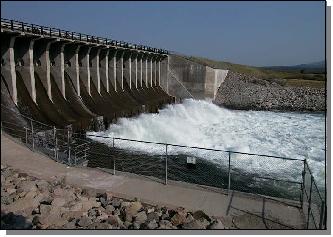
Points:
(314, 205)
(239, 171)
(55, 32)
(221, 169)
(60, 144)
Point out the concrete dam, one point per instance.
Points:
(66, 78)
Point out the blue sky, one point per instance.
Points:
(252, 33)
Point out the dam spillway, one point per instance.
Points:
(201, 123)
(66, 78)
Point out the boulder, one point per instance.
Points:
(59, 181)
(165, 217)
(36, 220)
(189, 218)
(109, 209)
(132, 210)
(150, 210)
(27, 186)
(193, 225)
(88, 192)
(127, 224)
(58, 202)
(178, 219)
(116, 202)
(102, 217)
(136, 225)
(216, 225)
(90, 203)
(140, 218)
(103, 201)
(165, 224)
(70, 225)
(11, 190)
(44, 209)
(115, 221)
(22, 175)
(46, 199)
(84, 221)
(43, 185)
(152, 224)
(54, 218)
(198, 215)
(116, 212)
(100, 226)
(76, 207)
(153, 216)
(125, 204)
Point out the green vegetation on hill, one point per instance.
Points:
(283, 77)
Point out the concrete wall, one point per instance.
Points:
(213, 80)
(188, 79)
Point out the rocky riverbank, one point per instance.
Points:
(246, 92)
(30, 203)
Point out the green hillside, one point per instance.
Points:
(283, 78)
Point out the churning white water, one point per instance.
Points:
(203, 124)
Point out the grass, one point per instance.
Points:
(290, 78)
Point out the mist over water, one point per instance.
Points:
(203, 124)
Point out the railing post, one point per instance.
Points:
(303, 183)
(50, 31)
(309, 203)
(114, 159)
(11, 25)
(114, 166)
(229, 172)
(1, 127)
(56, 149)
(22, 25)
(41, 30)
(26, 135)
(166, 164)
(59, 32)
(54, 132)
(32, 135)
(322, 214)
(69, 148)
(55, 141)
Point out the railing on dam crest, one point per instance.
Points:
(55, 32)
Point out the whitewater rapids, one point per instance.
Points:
(201, 123)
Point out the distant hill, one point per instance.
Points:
(315, 67)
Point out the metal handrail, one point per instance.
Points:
(50, 31)
(193, 147)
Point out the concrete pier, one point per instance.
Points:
(70, 77)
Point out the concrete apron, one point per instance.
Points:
(240, 210)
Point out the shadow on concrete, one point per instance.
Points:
(247, 219)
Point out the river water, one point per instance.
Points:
(201, 123)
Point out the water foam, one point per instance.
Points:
(203, 124)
